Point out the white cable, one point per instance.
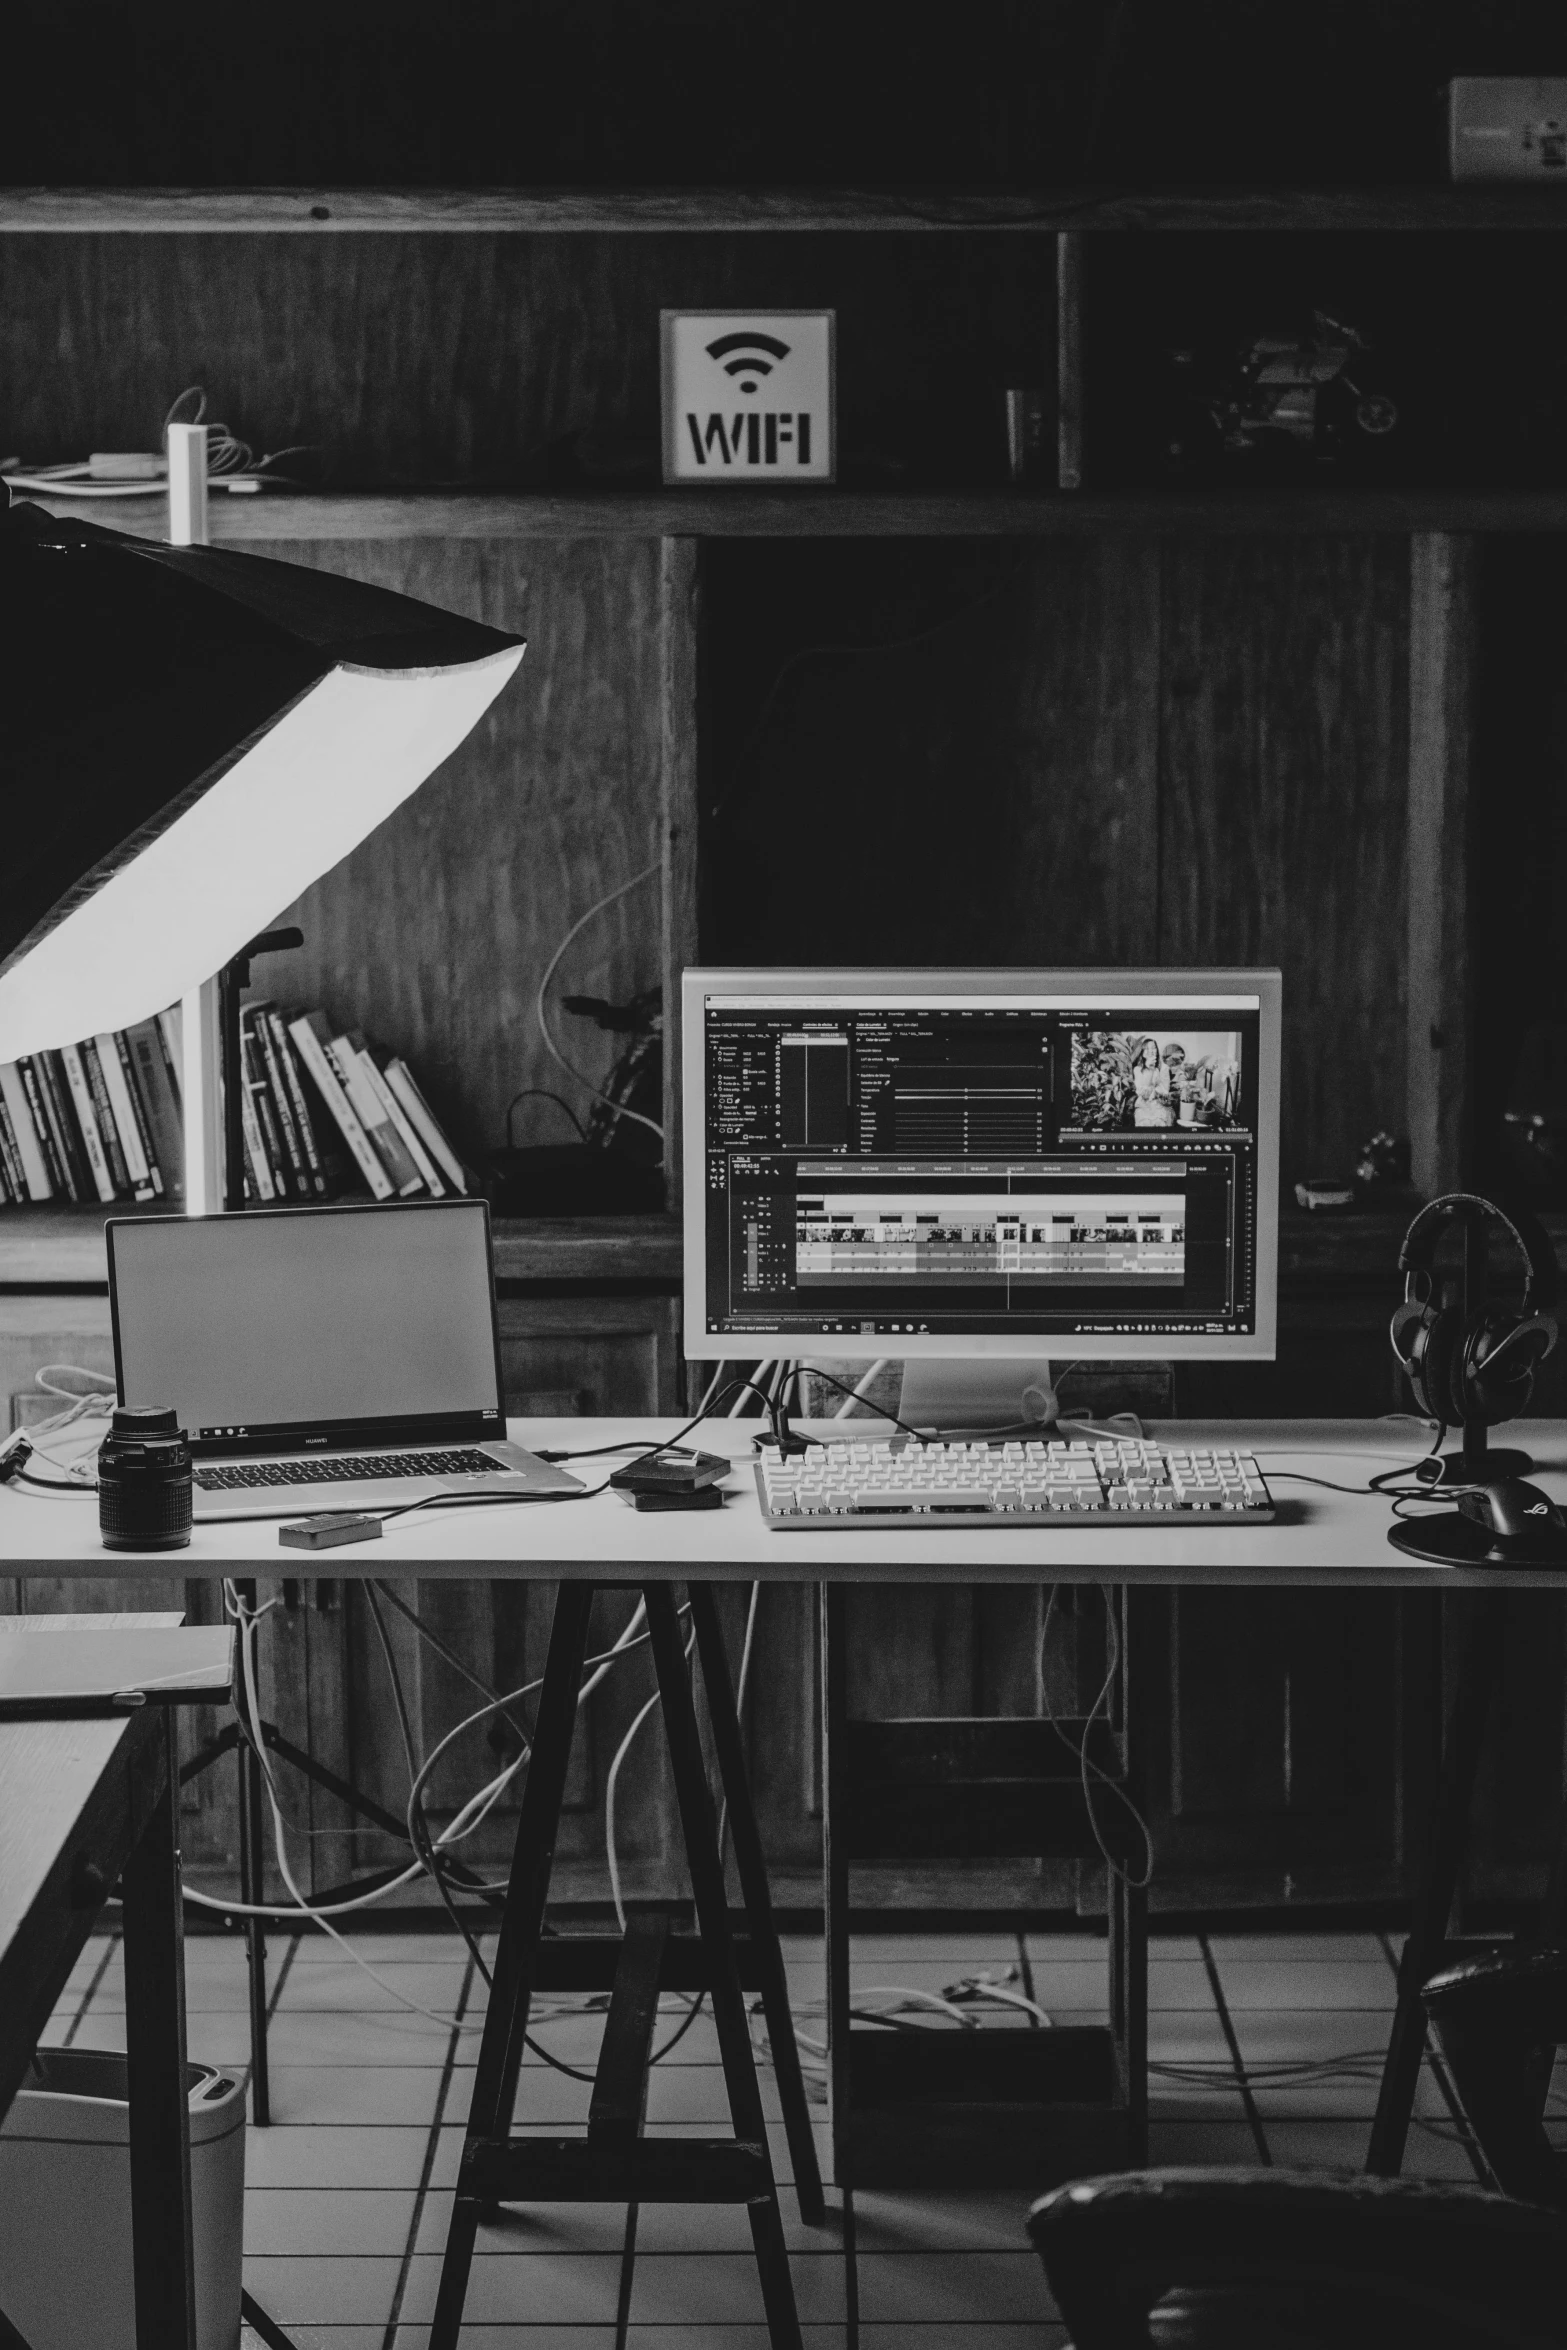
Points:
(845, 1410)
(553, 965)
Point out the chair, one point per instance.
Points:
(1299, 2260)
(1499, 2020)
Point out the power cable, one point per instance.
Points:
(542, 1006)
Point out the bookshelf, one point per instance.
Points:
(1210, 724)
(1048, 211)
(275, 517)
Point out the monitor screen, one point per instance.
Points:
(971, 1163)
(285, 1327)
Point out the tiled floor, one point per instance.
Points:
(1263, 2049)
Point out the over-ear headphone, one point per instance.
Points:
(1478, 1369)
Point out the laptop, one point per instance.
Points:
(322, 1358)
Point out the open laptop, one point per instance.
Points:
(321, 1358)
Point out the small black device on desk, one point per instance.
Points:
(1517, 1525)
(673, 1480)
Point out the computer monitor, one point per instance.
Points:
(988, 1165)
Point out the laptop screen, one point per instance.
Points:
(320, 1325)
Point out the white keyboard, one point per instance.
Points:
(1122, 1482)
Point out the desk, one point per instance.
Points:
(1319, 1538)
(82, 1803)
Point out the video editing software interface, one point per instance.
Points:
(1040, 1167)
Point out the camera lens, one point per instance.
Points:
(144, 1484)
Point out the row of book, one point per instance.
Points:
(322, 1115)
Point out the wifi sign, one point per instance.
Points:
(748, 397)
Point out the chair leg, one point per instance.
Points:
(712, 1914)
(752, 1867)
(522, 1921)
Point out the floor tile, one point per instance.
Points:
(1256, 1984)
(722, 2288)
(942, 2288)
(347, 2154)
(314, 2093)
(557, 2288)
(334, 2222)
(900, 2221)
(1209, 2138)
(301, 2290)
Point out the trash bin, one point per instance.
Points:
(65, 2203)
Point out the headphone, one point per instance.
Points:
(1478, 1369)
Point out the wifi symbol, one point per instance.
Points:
(748, 347)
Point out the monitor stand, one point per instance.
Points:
(976, 1395)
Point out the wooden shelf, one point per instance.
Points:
(63, 1248)
(448, 515)
(556, 211)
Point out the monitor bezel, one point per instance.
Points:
(1107, 987)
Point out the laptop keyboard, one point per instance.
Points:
(343, 1469)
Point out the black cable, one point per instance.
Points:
(424, 1851)
(798, 1371)
(543, 1093)
(52, 1484)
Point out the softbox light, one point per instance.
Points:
(189, 737)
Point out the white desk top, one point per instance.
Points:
(1319, 1536)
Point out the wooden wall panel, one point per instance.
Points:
(1284, 738)
(484, 359)
(434, 934)
(928, 755)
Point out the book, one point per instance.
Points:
(103, 1111)
(95, 1140)
(55, 1089)
(43, 1128)
(293, 1086)
(119, 1077)
(412, 1143)
(311, 1039)
(160, 1103)
(369, 1109)
(257, 1032)
(171, 1028)
(401, 1080)
(258, 1171)
(256, 1095)
(29, 1150)
(11, 1155)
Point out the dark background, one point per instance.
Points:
(1000, 92)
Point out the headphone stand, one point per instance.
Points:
(1477, 1464)
(1447, 1538)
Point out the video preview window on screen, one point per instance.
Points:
(976, 1167)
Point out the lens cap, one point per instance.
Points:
(146, 1419)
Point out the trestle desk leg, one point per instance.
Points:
(752, 1867)
(712, 1914)
(1423, 1952)
(522, 1922)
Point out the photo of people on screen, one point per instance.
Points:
(1127, 1080)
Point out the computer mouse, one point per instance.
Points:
(1514, 1511)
